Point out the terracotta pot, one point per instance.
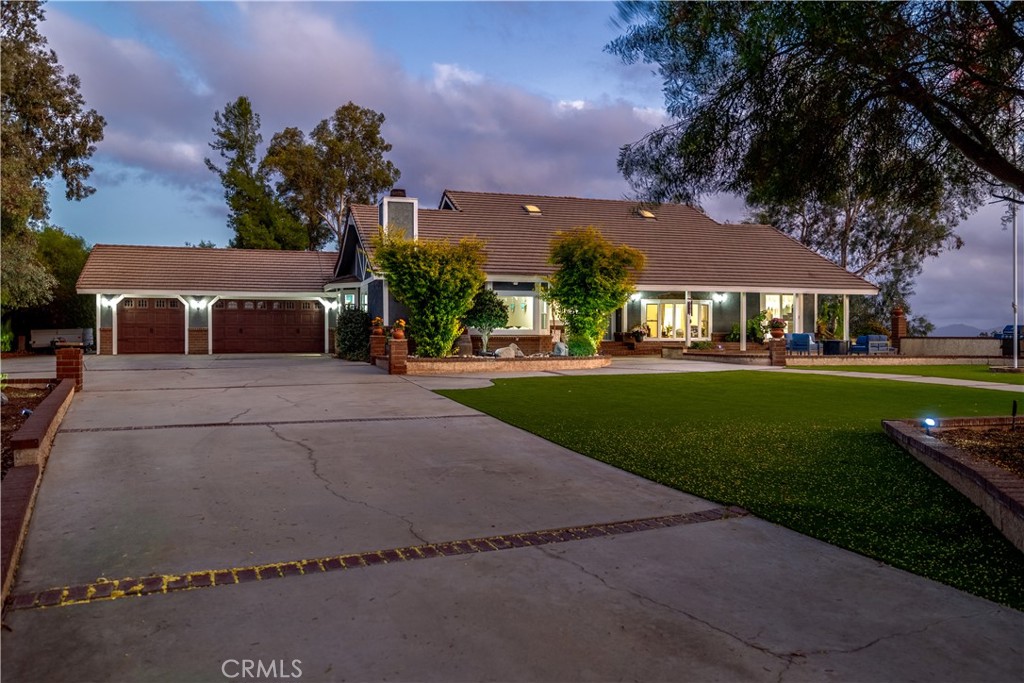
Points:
(398, 333)
(377, 331)
(777, 333)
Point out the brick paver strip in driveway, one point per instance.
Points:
(339, 458)
(151, 585)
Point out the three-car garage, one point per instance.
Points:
(204, 301)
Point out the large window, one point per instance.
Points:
(520, 311)
(669, 319)
(780, 306)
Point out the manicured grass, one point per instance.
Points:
(807, 452)
(977, 373)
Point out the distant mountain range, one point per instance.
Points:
(958, 330)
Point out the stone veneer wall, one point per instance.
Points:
(950, 346)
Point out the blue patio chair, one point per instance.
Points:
(804, 342)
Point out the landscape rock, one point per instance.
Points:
(560, 349)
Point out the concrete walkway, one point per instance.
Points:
(402, 529)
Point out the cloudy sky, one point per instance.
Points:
(507, 97)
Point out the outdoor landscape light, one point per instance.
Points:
(929, 422)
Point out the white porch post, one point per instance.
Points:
(113, 330)
(743, 321)
(99, 322)
(798, 312)
(385, 307)
(686, 313)
(815, 323)
(625, 320)
(209, 324)
(846, 317)
(188, 315)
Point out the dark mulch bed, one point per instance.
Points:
(11, 419)
(1000, 446)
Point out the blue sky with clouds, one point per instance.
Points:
(491, 96)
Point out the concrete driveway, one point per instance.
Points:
(299, 517)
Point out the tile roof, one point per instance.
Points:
(685, 248)
(115, 268)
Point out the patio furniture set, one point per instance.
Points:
(866, 344)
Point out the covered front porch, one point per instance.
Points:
(717, 318)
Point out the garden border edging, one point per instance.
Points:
(32, 444)
(997, 492)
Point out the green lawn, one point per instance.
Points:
(807, 452)
(977, 373)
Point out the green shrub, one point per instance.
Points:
(757, 328)
(352, 337)
(488, 314)
(593, 279)
(701, 345)
(6, 337)
(436, 280)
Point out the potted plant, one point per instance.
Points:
(640, 331)
(398, 329)
(776, 327)
(378, 326)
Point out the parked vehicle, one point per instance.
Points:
(51, 339)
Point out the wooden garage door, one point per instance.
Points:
(150, 326)
(254, 326)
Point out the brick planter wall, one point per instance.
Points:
(777, 352)
(1000, 494)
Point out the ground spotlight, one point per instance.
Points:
(928, 423)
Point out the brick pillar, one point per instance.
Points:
(396, 359)
(899, 328)
(777, 352)
(378, 346)
(70, 365)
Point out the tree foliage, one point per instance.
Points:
(26, 281)
(487, 314)
(46, 129)
(593, 279)
(341, 162)
(260, 220)
(773, 97)
(436, 280)
(63, 256)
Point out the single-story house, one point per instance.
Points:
(701, 278)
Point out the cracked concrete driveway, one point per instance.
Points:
(403, 532)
